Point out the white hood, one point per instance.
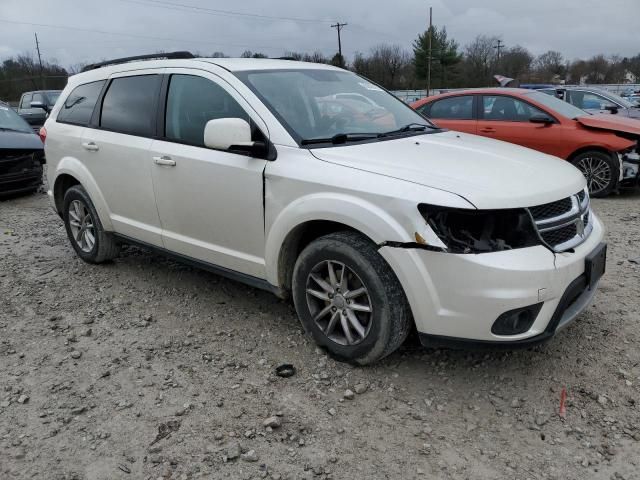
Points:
(488, 173)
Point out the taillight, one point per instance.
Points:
(43, 134)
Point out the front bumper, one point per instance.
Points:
(11, 184)
(461, 296)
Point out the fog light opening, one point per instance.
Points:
(516, 321)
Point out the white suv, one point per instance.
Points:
(370, 217)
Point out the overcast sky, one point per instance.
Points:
(115, 28)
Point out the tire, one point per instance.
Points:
(381, 330)
(601, 171)
(83, 224)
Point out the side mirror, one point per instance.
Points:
(612, 108)
(222, 133)
(39, 105)
(540, 118)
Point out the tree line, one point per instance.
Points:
(394, 66)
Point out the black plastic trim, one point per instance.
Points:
(218, 270)
(152, 56)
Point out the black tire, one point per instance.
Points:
(600, 163)
(104, 247)
(389, 320)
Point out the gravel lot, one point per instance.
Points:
(146, 369)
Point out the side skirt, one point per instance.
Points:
(218, 270)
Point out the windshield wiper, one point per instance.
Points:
(7, 129)
(340, 138)
(410, 127)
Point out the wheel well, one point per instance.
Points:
(297, 240)
(589, 149)
(63, 183)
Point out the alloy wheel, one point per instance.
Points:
(339, 302)
(597, 172)
(82, 227)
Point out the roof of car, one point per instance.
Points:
(230, 64)
(244, 64)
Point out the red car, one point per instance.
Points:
(604, 147)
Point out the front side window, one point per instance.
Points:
(453, 108)
(37, 97)
(191, 102)
(508, 109)
(321, 103)
(78, 106)
(129, 105)
(589, 101)
(26, 101)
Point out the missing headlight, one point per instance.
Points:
(480, 231)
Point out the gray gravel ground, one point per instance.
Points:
(146, 369)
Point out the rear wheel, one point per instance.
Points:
(84, 229)
(601, 171)
(349, 299)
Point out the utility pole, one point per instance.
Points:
(339, 26)
(429, 55)
(499, 47)
(39, 61)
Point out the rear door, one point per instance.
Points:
(507, 118)
(117, 152)
(454, 113)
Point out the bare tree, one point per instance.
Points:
(480, 61)
(549, 66)
(516, 63)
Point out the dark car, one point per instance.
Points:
(596, 100)
(21, 154)
(35, 106)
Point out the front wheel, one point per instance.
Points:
(348, 298)
(601, 171)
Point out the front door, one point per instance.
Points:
(506, 118)
(210, 201)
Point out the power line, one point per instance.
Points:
(218, 12)
(133, 35)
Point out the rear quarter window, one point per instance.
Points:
(129, 105)
(78, 106)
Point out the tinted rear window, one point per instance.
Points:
(78, 107)
(129, 105)
(453, 108)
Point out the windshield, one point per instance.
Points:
(618, 99)
(10, 120)
(52, 96)
(320, 103)
(563, 108)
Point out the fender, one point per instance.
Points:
(75, 168)
(361, 215)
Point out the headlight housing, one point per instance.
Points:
(480, 231)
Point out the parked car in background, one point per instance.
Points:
(35, 106)
(604, 147)
(21, 154)
(255, 169)
(595, 100)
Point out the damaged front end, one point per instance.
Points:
(480, 231)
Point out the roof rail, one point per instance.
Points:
(152, 56)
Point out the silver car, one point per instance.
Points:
(595, 100)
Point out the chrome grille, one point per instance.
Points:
(563, 224)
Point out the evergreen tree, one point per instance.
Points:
(444, 57)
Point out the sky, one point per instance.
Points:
(83, 31)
